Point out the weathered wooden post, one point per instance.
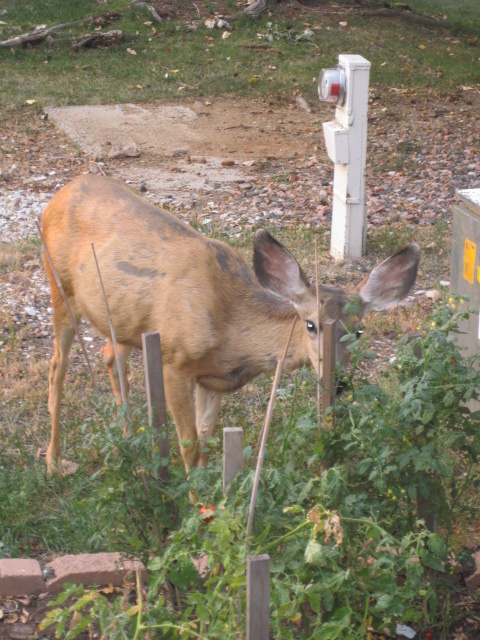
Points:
(157, 406)
(232, 455)
(329, 361)
(258, 597)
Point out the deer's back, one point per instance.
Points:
(158, 273)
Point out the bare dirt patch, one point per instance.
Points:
(197, 146)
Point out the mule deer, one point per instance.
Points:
(219, 325)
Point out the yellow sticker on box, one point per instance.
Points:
(469, 260)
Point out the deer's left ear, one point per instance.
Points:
(391, 280)
(277, 270)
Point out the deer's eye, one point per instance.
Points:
(359, 333)
(311, 328)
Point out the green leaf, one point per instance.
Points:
(202, 612)
(314, 553)
(383, 602)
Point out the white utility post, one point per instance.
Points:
(346, 141)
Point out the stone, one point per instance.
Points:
(91, 568)
(473, 581)
(20, 576)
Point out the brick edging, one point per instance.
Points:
(19, 576)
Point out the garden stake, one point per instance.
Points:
(254, 457)
(112, 331)
(123, 391)
(318, 335)
(64, 296)
(264, 432)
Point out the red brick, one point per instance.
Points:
(91, 568)
(20, 576)
(473, 581)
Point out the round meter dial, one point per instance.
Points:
(331, 85)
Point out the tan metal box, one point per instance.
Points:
(465, 263)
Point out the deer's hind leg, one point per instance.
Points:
(64, 333)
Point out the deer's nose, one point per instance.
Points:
(341, 383)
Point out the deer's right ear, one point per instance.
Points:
(277, 270)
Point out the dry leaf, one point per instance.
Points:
(132, 52)
(225, 35)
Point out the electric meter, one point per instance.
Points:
(331, 85)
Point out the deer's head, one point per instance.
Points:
(278, 271)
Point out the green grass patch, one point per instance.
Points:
(276, 56)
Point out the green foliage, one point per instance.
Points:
(413, 435)
(347, 551)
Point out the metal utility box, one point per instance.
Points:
(465, 264)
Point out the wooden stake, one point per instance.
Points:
(329, 361)
(232, 455)
(264, 433)
(157, 406)
(258, 597)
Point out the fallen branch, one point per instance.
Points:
(98, 39)
(34, 37)
(39, 34)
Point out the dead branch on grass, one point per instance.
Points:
(98, 39)
(40, 33)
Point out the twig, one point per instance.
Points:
(112, 331)
(124, 393)
(37, 35)
(64, 296)
(98, 39)
(264, 433)
(318, 334)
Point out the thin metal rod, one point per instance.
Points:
(264, 433)
(70, 312)
(112, 331)
(319, 395)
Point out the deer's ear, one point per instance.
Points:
(392, 280)
(277, 270)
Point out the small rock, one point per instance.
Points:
(433, 294)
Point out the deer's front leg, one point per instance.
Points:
(207, 404)
(179, 392)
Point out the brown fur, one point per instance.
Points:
(219, 327)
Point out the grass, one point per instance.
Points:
(463, 15)
(260, 58)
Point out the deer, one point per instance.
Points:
(220, 322)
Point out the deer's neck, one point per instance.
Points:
(261, 336)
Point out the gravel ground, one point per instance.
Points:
(419, 153)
